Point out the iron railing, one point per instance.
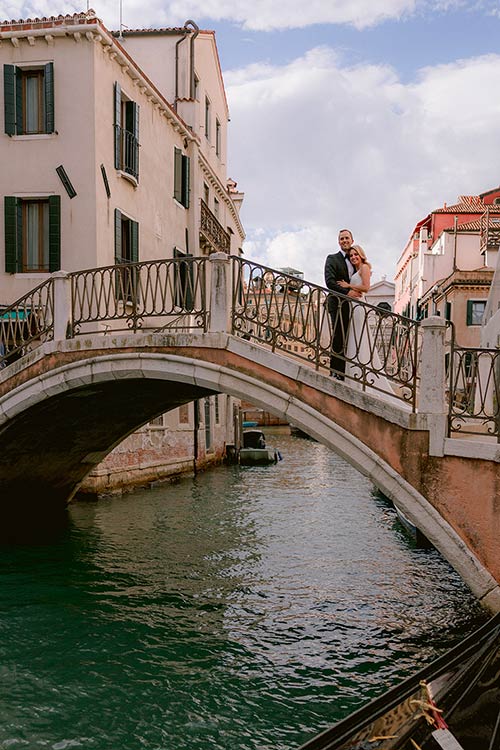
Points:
(129, 151)
(473, 391)
(381, 349)
(148, 295)
(213, 232)
(29, 320)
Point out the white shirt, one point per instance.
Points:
(350, 267)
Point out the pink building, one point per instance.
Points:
(447, 265)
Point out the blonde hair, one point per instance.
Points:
(361, 254)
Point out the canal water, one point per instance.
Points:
(247, 608)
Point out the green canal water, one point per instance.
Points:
(247, 608)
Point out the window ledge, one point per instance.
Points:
(34, 137)
(38, 276)
(129, 177)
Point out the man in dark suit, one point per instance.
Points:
(338, 268)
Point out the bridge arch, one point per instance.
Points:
(62, 384)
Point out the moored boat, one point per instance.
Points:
(453, 704)
(255, 451)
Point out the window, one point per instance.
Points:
(184, 414)
(196, 87)
(218, 135)
(447, 310)
(126, 127)
(206, 193)
(157, 421)
(216, 207)
(29, 99)
(217, 409)
(475, 311)
(184, 280)
(126, 251)
(181, 178)
(32, 234)
(207, 118)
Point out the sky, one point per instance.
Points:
(359, 114)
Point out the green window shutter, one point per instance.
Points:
(118, 124)
(9, 92)
(132, 127)
(118, 235)
(54, 233)
(49, 97)
(136, 135)
(11, 214)
(178, 174)
(469, 312)
(185, 181)
(134, 241)
(19, 102)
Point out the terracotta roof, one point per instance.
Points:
(75, 18)
(467, 204)
(475, 226)
(164, 30)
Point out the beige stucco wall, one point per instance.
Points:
(29, 162)
(158, 452)
(86, 66)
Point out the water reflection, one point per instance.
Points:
(246, 608)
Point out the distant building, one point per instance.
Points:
(381, 294)
(447, 265)
(113, 150)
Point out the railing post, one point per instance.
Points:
(62, 305)
(220, 294)
(432, 391)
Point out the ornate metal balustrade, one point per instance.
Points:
(291, 315)
(214, 235)
(28, 322)
(150, 295)
(474, 391)
(490, 230)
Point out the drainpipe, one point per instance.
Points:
(185, 30)
(176, 97)
(455, 224)
(195, 33)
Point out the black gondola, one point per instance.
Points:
(453, 704)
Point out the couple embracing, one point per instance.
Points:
(348, 273)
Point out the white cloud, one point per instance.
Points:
(317, 147)
(260, 15)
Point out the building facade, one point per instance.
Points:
(447, 265)
(114, 150)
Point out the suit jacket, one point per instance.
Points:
(335, 270)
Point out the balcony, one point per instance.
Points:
(489, 230)
(128, 149)
(213, 237)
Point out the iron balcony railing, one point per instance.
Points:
(382, 349)
(489, 226)
(26, 323)
(129, 151)
(148, 295)
(473, 391)
(213, 232)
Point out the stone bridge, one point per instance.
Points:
(71, 399)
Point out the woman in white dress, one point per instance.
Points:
(363, 366)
